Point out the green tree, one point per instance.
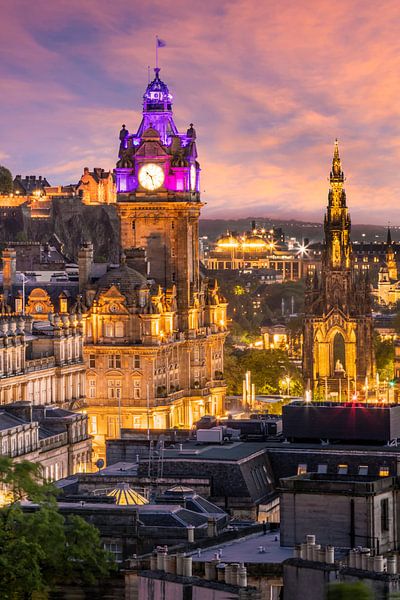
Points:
(269, 368)
(41, 548)
(6, 180)
(384, 356)
(349, 591)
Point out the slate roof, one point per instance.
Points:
(235, 452)
(151, 515)
(125, 278)
(8, 421)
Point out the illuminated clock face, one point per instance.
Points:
(193, 178)
(151, 176)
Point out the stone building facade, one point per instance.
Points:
(57, 439)
(42, 362)
(338, 353)
(42, 381)
(154, 329)
(387, 291)
(97, 187)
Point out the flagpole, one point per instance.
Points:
(156, 51)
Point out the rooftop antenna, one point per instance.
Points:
(148, 73)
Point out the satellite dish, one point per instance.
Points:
(100, 463)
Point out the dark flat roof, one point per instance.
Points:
(204, 452)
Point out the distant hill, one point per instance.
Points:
(299, 229)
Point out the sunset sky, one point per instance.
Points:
(268, 85)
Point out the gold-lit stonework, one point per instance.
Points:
(338, 355)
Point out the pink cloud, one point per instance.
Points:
(269, 85)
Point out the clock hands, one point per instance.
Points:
(151, 177)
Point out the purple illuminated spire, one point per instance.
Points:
(157, 110)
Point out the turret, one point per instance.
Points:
(390, 257)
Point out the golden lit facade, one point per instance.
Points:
(154, 328)
(387, 291)
(338, 355)
(235, 252)
(42, 371)
(97, 187)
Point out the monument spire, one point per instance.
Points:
(337, 220)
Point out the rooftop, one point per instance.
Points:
(205, 452)
(247, 550)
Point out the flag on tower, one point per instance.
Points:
(161, 43)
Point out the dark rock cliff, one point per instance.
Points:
(73, 223)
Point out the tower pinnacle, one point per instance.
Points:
(389, 237)
(336, 173)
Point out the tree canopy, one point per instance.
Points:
(349, 591)
(42, 548)
(269, 370)
(384, 356)
(6, 180)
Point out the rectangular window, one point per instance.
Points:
(322, 469)
(136, 361)
(93, 424)
(363, 470)
(92, 388)
(115, 550)
(301, 469)
(92, 361)
(114, 388)
(385, 514)
(384, 472)
(343, 469)
(63, 305)
(114, 361)
(136, 389)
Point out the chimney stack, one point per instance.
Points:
(9, 257)
(85, 262)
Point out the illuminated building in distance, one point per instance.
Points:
(338, 354)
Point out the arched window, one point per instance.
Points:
(119, 329)
(108, 329)
(339, 353)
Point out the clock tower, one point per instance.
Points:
(158, 201)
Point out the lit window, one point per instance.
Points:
(322, 469)
(114, 361)
(301, 469)
(119, 329)
(108, 329)
(63, 305)
(93, 424)
(384, 472)
(343, 469)
(363, 470)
